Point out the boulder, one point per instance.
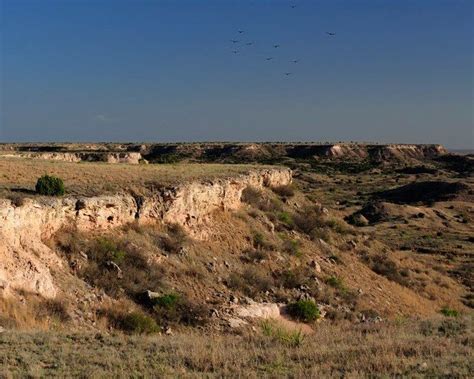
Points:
(314, 264)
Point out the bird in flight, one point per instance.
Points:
(293, 6)
(330, 33)
(269, 58)
(234, 41)
(276, 46)
(240, 31)
(287, 73)
(295, 61)
(249, 43)
(235, 51)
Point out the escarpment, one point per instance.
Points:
(26, 260)
(224, 152)
(85, 156)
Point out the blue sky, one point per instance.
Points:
(115, 70)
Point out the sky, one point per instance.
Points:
(164, 71)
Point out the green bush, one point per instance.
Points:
(335, 282)
(448, 312)
(50, 186)
(286, 219)
(139, 323)
(107, 249)
(174, 308)
(304, 310)
(168, 301)
(260, 242)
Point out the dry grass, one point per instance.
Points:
(364, 271)
(436, 348)
(32, 312)
(98, 178)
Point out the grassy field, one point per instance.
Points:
(99, 178)
(435, 348)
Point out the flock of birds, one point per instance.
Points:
(239, 43)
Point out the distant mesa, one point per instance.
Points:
(225, 152)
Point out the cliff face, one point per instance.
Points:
(405, 152)
(25, 260)
(224, 152)
(64, 156)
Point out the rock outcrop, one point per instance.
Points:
(25, 260)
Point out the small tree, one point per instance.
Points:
(50, 186)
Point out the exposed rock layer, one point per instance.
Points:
(87, 156)
(25, 260)
(224, 152)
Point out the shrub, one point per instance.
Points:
(286, 219)
(322, 233)
(292, 338)
(178, 309)
(260, 200)
(452, 327)
(339, 226)
(335, 258)
(54, 308)
(50, 186)
(335, 282)
(136, 273)
(253, 255)
(260, 280)
(284, 191)
(357, 219)
(258, 240)
(168, 301)
(173, 242)
(17, 199)
(448, 312)
(304, 310)
(293, 278)
(108, 250)
(384, 266)
(309, 219)
(292, 247)
(251, 196)
(136, 322)
(251, 282)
